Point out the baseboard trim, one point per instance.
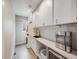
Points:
(20, 44)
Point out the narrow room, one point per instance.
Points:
(39, 29)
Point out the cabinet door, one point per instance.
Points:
(49, 12)
(74, 10)
(37, 19)
(64, 11)
(46, 13)
(36, 22)
(34, 45)
(33, 21)
(34, 42)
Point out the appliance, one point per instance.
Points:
(54, 55)
(74, 43)
(64, 40)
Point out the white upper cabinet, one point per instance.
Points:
(54, 12)
(65, 11)
(46, 13)
(38, 22)
(33, 20)
(74, 10)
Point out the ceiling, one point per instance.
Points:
(24, 7)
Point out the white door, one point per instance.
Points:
(20, 34)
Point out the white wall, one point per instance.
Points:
(8, 30)
(49, 31)
(20, 34)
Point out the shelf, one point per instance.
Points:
(51, 45)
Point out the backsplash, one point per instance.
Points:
(48, 32)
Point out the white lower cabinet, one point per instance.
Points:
(34, 45)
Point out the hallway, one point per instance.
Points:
(23, 53)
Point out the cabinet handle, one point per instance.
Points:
(56, 20)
